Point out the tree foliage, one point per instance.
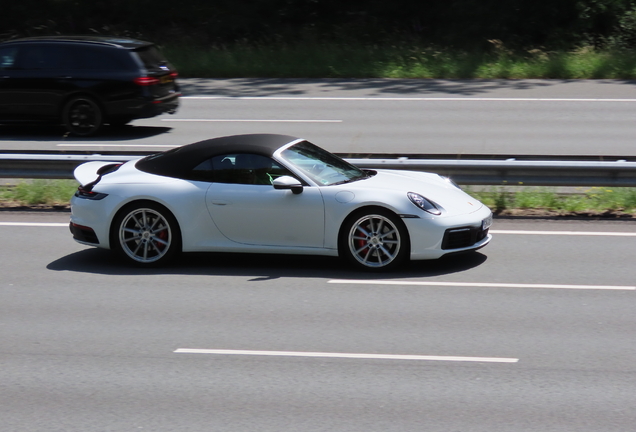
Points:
(464, 24)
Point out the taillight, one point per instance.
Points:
(174, 74)
(146, 81)
(86, 193)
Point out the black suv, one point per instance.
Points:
(84, 82)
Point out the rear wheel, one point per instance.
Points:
(82, 116)
(146, 233)
(374, 239)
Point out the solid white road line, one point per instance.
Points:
(251, 121)
(480, 284)
(567, 233)
(34, 224)
(570, 233)
(422, 99)
(345, 355)
(117, 145)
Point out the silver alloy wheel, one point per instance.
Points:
(145, 235)
(374, 241)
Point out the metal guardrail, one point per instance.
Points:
(466, 172)
(49, 166)
(518, 172)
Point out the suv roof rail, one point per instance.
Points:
(121, 42)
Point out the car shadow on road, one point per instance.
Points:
(261, 267)
(241, 87)
(31, 132)
(370, 87)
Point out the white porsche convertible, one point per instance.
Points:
(271, 194)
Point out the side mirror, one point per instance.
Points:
(288, 182)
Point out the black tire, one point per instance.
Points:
(374, 239)
(82, 116)
(146, 234)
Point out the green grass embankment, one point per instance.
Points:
(534, 201)
(329, 60)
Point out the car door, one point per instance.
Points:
(40, 80)
(247, 209)
(8, 56)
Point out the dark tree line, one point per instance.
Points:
(463, 24)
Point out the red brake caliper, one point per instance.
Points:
(163, 235)
(360, 243)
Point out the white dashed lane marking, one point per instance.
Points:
(478, 284)
(345, 355)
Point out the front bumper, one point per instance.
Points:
(435, 237)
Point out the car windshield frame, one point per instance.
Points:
(320, 166)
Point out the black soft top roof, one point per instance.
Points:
(179, 161)
(127, 43)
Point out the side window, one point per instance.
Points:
(97, 58)
(36, 57)
(67, 58)
(241, 168)
(7, 57)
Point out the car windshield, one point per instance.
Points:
(321, 166)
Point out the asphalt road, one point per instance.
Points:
(88, 344)
(438, 117)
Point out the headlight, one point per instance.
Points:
(424, 204)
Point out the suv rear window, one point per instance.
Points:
(151, 57)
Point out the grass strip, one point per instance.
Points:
(332, 60)
(617, 201)
(37, 193)
(501, 199)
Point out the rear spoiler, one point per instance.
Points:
(90, 173)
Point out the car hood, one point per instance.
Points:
(431, 186)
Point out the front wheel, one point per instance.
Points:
(375, 239)
(82, 116)
(146, 234)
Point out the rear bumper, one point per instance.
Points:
(83, 234)
(144, 107)
(168, 104)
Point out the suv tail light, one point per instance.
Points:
(146, 81)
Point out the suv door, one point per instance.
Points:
(8, 98)
(39, 81)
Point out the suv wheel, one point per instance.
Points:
(82, 116)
